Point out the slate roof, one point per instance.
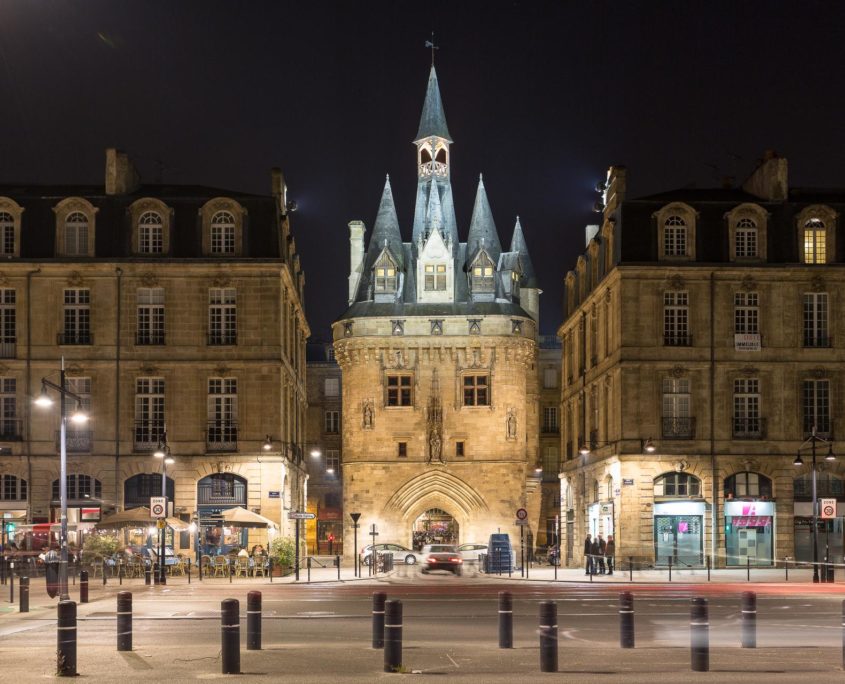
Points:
(433, 119)
(518, 244)
(482, 228)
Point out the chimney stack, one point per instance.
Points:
(356, 256)
(769, 181)
(121, 175)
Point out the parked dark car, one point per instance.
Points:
(441, 557)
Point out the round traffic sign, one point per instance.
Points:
(158, 509)
(521, 513)
(828, 511)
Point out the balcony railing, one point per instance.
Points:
(77, 337)
(10, 430)
(818, 341)
(147, 434)
(217, 339)
(76, 441)
(824, 428)
(149, 338)
(8, 348)
(749, 428)
(678, 428)
(222, 435)
(677, 340)
(229, 495)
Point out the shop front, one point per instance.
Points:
(679, 533)
(330, 531)
(749, 533)
(217, 493)
(831, 533)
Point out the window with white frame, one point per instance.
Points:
(815, 237)
(150, 315)
(223, 233)
(746, 418)
(332, 461)
(746, 313)
(677, 484)
(435, 277)
(79, 487)
(8, 409)
(222, 411)
(816, 406)
(13, 489)
(150, 233)
(550, 376)
(149, 411)
(77, 317)
(8, 320)
(222, 315)
(76, 234)
(745, 237)
(676, 319)
(331, 387)
(331, 422)
(816, 332)
(674, 237)
(676, 400)
(7, 233)
(550, 419)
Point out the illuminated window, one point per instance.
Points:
(385, 275)
(399, 390)
(746, 238)
(223, 233)
(477, 390)
(482, 275)
(435, 277)
(150, 233)
(677, 484)
(814, 242)
(675, 237)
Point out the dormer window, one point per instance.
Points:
(76, 234)
(482, 275)
(435, 277)
(515, 283)
(815, 235)
(7, 233)
(385, 275)
(150, 233)
(675, 237)
(746, 238)
(75, 227)
(223, 233)
(676, 229)
(224, 226)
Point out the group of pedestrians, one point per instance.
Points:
(599, 555)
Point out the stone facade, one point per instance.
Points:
(172, 316)
(699, 352)
(549, 372)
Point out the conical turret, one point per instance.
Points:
(529, 277)
(482, 229)
(386, 229)
(433, 119)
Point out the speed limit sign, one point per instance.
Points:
(158, 507)
(828, 508)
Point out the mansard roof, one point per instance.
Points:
(433, 119)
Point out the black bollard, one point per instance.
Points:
(24, 600)
(199, 568)
(670, 568)
(749, 619)
(230, 569)
(337, 562)
(748, 568)
(699, 635)
(630, 568)
(230, 628)
(147, 573)
(104, 573)
(253, 621)
(12, 584)
(626, 620)
(189, 571)
(83, 586)
(379, 598)
(505, 620)
(392, 636)
(124, 621)
(120, 573)
(308, 563)
(66, 638)
(548, 636)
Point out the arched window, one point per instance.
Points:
(385, 274)
(441, 155)
(138, 489)
(80, 487)
(595, 490)
(7, 233)
(680, 485)
(76, 234)
(425, 155)
(13, 488)
(150, 233)
(748, 484)
(674, 237)
(222, 488)
(815, 234)
(746, 238)
(827, 485)
(609, 484)
(482, 275)
(223, 233)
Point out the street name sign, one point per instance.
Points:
(301, 515)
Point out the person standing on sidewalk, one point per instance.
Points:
(588, 558)
(609, 553)
(595, 552)
(602, 545)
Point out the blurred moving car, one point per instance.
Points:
(400, 553)
(441, 557)
(470, 552)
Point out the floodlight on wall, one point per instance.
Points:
(44, 400)
(268, 443)
(798, 460)
(648, 446)
(830, 456)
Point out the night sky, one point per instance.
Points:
(540, 97)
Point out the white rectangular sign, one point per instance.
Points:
(746, 342)
(158, 506)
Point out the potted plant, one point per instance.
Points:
(99, 547)
(282, 553)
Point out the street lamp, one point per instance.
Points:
(163, 452)
(78, 417)
(812, 440)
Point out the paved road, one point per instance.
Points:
(322, 632)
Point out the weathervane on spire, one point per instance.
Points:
(430, 44)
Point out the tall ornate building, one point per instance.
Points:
(438, 351)
(700, 349)
(174, 307)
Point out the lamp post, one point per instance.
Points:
(163, 452)
(44, 401)
(812, 440)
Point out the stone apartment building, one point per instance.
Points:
(438, 351)
(549, 369)
(324, 534)
(174, 307)
(700, 349)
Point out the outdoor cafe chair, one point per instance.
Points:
(259, 566)
(221, 566)
(241, 567)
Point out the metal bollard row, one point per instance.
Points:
(83, 586)
(626, 620)
(124, 621)
(379, 599)
(505, 620)
(393, 636)
(230, 635)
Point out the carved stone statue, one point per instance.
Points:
(435, 446)
(511, 424)
(368, 414)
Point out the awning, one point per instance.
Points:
(137, 517)
(241, 517)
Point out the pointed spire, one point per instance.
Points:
(433, 119)
(434, 212)
(482, 229)
(529, 276)
(386, 229)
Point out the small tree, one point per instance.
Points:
(283, 551)
(100, 545)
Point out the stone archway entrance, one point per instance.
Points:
(435, 526)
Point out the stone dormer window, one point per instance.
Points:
(384, 275)
(150, 220)
(10, 227)
(150, 233)
(675, 237)
(817, 234)
(676, 227)
(223, 222)
(481, 275)
(75, 227)
(435, 277)
(747, 232)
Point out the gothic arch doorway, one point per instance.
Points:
(435, 526)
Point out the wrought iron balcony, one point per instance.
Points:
(678, 428)
(222, 435)
(147, 434)
(677, 340)
(8, 348)
(749, 428)
(10, 430)
(77, 337)
(76, 441)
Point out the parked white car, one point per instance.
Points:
(471, 552)
(400, 553)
